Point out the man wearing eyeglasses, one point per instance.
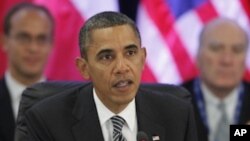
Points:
(28, 31)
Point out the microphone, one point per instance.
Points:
(142, 136)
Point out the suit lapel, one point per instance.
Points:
(245, 114)
(5, 101)
(7, 121)
(87, 126)
(146, 117)
(201, 128)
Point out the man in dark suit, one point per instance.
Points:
(27, 42)
(221, 60)
(112, 106)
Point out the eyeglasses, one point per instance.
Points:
(27, 39)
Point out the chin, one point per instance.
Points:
(125, 101)
(32, 74)
(125, 98)
(227, 85)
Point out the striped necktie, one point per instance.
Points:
(118, 123)
(222, 131)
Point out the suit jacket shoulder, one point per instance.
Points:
(167, 89)
(70, 115)
(165, 115)
(7, 121)
(201, 128)
(73, 116)
(245, 109)
(189, 85)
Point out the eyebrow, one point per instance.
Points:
(22, 33)
(104, 51)
(132, 46)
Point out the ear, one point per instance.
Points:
(144, 55)
(3, 42)
(82, 66)
(198, 58)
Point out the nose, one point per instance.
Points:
(34, 46)
(227, 58)
(121, 66)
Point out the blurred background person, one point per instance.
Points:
(220, 96)
(28, 31)
(169, 28)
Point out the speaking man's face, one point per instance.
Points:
(115, 63)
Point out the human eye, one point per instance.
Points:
(215, 47)
(23, 38)
(239, 49)
(43, 39)
(131, 50)
(105, 56)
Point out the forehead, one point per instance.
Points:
(225, 32)
(30, 20)
(115, 36)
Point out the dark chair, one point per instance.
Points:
(40, 91)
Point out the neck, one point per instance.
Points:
(219, 92)
(117, 109)
(26, 80)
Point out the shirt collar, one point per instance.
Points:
(105, 114)
(210, 98)
(14, 86)
(15, 90)
(11, 80)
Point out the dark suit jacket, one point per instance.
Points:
(7, 121)
(72, 116)
(201, 128)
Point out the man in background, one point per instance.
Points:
(28, 33)
(220, 97)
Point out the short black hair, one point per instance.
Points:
(103, 20)
(21, 6)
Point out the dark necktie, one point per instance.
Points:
(118, 123)
(222, 131)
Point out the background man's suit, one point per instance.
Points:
(244, 116)
(7, 121)
(73, 116)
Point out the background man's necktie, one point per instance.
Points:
(222, 130)
(118, 123)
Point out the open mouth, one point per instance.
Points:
(122, 83)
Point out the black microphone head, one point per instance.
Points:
(142, 136)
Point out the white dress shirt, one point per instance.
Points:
(15, 89)
(129, 129)
(212, 111)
